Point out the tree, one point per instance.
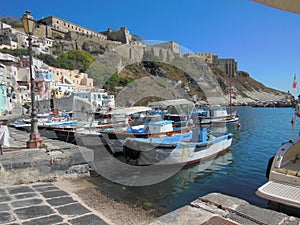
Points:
(76, 59)
(65, 62)
(15, 52)
(49, 60)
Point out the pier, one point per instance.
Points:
(41, 186)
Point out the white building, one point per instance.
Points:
(98, 99)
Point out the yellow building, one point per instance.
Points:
(80, 80)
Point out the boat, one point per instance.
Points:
(283, 173)
(183, 148)
(215, 114)
(114, 138)
(162, 118)
(107, 122)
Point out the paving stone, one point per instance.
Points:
(53, 194)
(61, 201)
(270, 217)
(42, 185)
(6, 217)
(88, 219)
(54, 219)
(215, 220)
(5, 198)
(19, 189)
(44, 189)
(24, 196)
(33, 212)
(27, 202)
(73, 209)
(4, 207)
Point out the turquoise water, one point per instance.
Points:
(237, 173)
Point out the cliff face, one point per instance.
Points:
(191, 78)
(160, 73)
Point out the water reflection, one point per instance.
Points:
(177, 190)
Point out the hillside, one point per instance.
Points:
(186, 77)
(181, 76)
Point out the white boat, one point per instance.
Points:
(283, 173)
(151, 125)
(184, 148)
(215, 114)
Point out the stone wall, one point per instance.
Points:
(136, 53)
(121, 35)
(78, 106)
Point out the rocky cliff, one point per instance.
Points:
(187, 76)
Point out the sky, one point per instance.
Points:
(263, 40)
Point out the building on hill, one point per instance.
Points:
(229, 66)
(121, 35)
(57, 26)
(12, 38)
(98, 98)
(68, 81)
(170, 45)
(208, 57)
(8, 36)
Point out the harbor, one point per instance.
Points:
(62, 173)
(105, 127)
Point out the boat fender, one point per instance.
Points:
(293, 121)
(269, 167)
(129, 121)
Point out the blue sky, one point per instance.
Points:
(263, 40)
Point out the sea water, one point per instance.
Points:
(237, 173)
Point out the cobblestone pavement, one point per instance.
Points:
(44, 203)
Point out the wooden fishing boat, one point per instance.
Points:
(182, 148)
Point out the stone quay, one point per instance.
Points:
(30, 193)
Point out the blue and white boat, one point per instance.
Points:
(114, 137)
(215, 114)
(283, 172)
(183, 148)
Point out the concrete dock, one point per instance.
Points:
(29, 193)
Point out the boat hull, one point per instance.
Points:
(115, 140)
(182, 152)
(284, 176)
